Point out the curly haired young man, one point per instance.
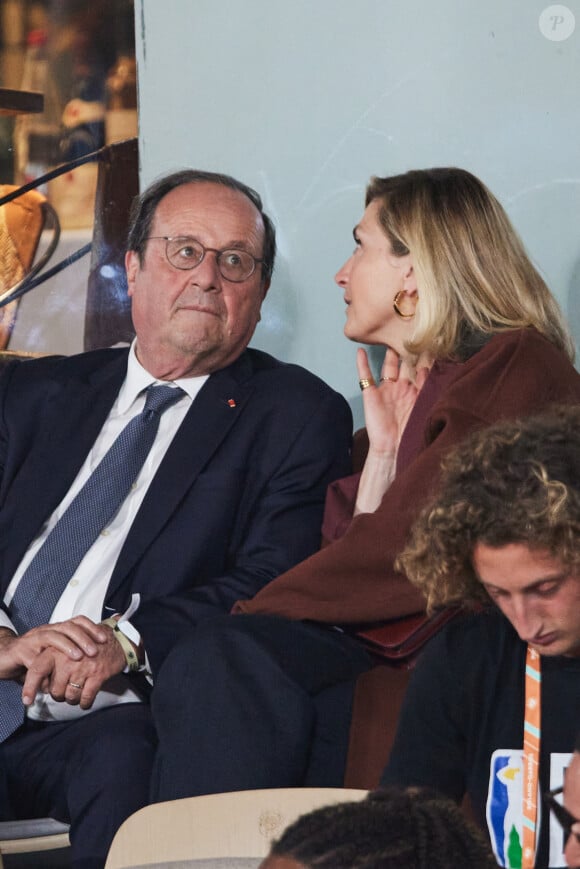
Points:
(493, 707)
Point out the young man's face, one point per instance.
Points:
(539, 596)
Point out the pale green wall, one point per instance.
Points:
(305, 99)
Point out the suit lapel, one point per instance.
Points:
(76, 408)
(212, 415)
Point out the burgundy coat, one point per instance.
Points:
(352, 579)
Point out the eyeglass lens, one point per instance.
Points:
(187, 253)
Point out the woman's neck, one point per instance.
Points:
(411, 364)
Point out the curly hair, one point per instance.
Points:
(416, 828)
(514, 482)
(474, 276)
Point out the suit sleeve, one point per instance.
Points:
(5, 379)
(281, 526)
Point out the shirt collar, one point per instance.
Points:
(139, 379)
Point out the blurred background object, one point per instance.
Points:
(121, 82)
(37, 136)
(81, 56)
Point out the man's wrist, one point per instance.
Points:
(6, 636)
(127, 647)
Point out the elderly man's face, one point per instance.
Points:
(196, 321)
(539, 596)
(572, 803)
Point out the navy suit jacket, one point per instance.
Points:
(237, 500)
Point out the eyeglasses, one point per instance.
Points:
(565, 818)
(186, 253)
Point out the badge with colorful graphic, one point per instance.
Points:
(504, 807)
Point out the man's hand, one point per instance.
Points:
(75, 681)
(75, 639)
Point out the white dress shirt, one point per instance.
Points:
(86, 590)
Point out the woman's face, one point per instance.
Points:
(371, 278)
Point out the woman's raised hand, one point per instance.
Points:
(387, 407)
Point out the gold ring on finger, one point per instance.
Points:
(365, 383)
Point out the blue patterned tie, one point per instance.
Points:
(92, 509)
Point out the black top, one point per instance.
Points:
(461, 728)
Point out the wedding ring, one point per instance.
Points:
(76, 685)
(387, 380)
(365, 383)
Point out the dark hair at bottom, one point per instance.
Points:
(415, 828)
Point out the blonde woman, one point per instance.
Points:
(439, 277)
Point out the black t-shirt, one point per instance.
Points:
(461, 729)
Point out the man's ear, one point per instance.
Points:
(265, 287)
(132, 266)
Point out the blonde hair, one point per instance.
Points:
(473, 273)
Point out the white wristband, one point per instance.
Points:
(125, 643)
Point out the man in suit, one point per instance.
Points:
(230, 494)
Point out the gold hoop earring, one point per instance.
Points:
(398, 311)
